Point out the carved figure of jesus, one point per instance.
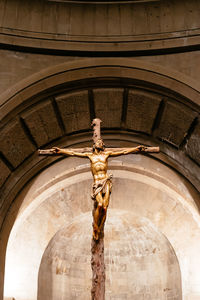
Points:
(102, 183)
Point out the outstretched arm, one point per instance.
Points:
(138, 149)
(71, 152)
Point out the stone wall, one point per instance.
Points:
(151, 209)
(140, 262)
(100, 27)
(135, 65)
(17, 66)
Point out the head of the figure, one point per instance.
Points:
(99, 145)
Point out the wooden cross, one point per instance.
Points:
(101, 189)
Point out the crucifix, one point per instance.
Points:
(101, 190)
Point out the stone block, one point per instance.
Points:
(193, 144)
(175, 123)
(108, 106)
(42, 123)
(141, 111)
(74, 110)
(5, 172)
(14, 143)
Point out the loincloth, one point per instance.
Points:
(100, 186)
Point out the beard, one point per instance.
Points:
(100, 148)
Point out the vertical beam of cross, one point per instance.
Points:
(97, 246)
(96, 125)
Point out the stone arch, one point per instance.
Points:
(174, 93)
(99, 68)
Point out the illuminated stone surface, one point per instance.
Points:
(140, 263)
